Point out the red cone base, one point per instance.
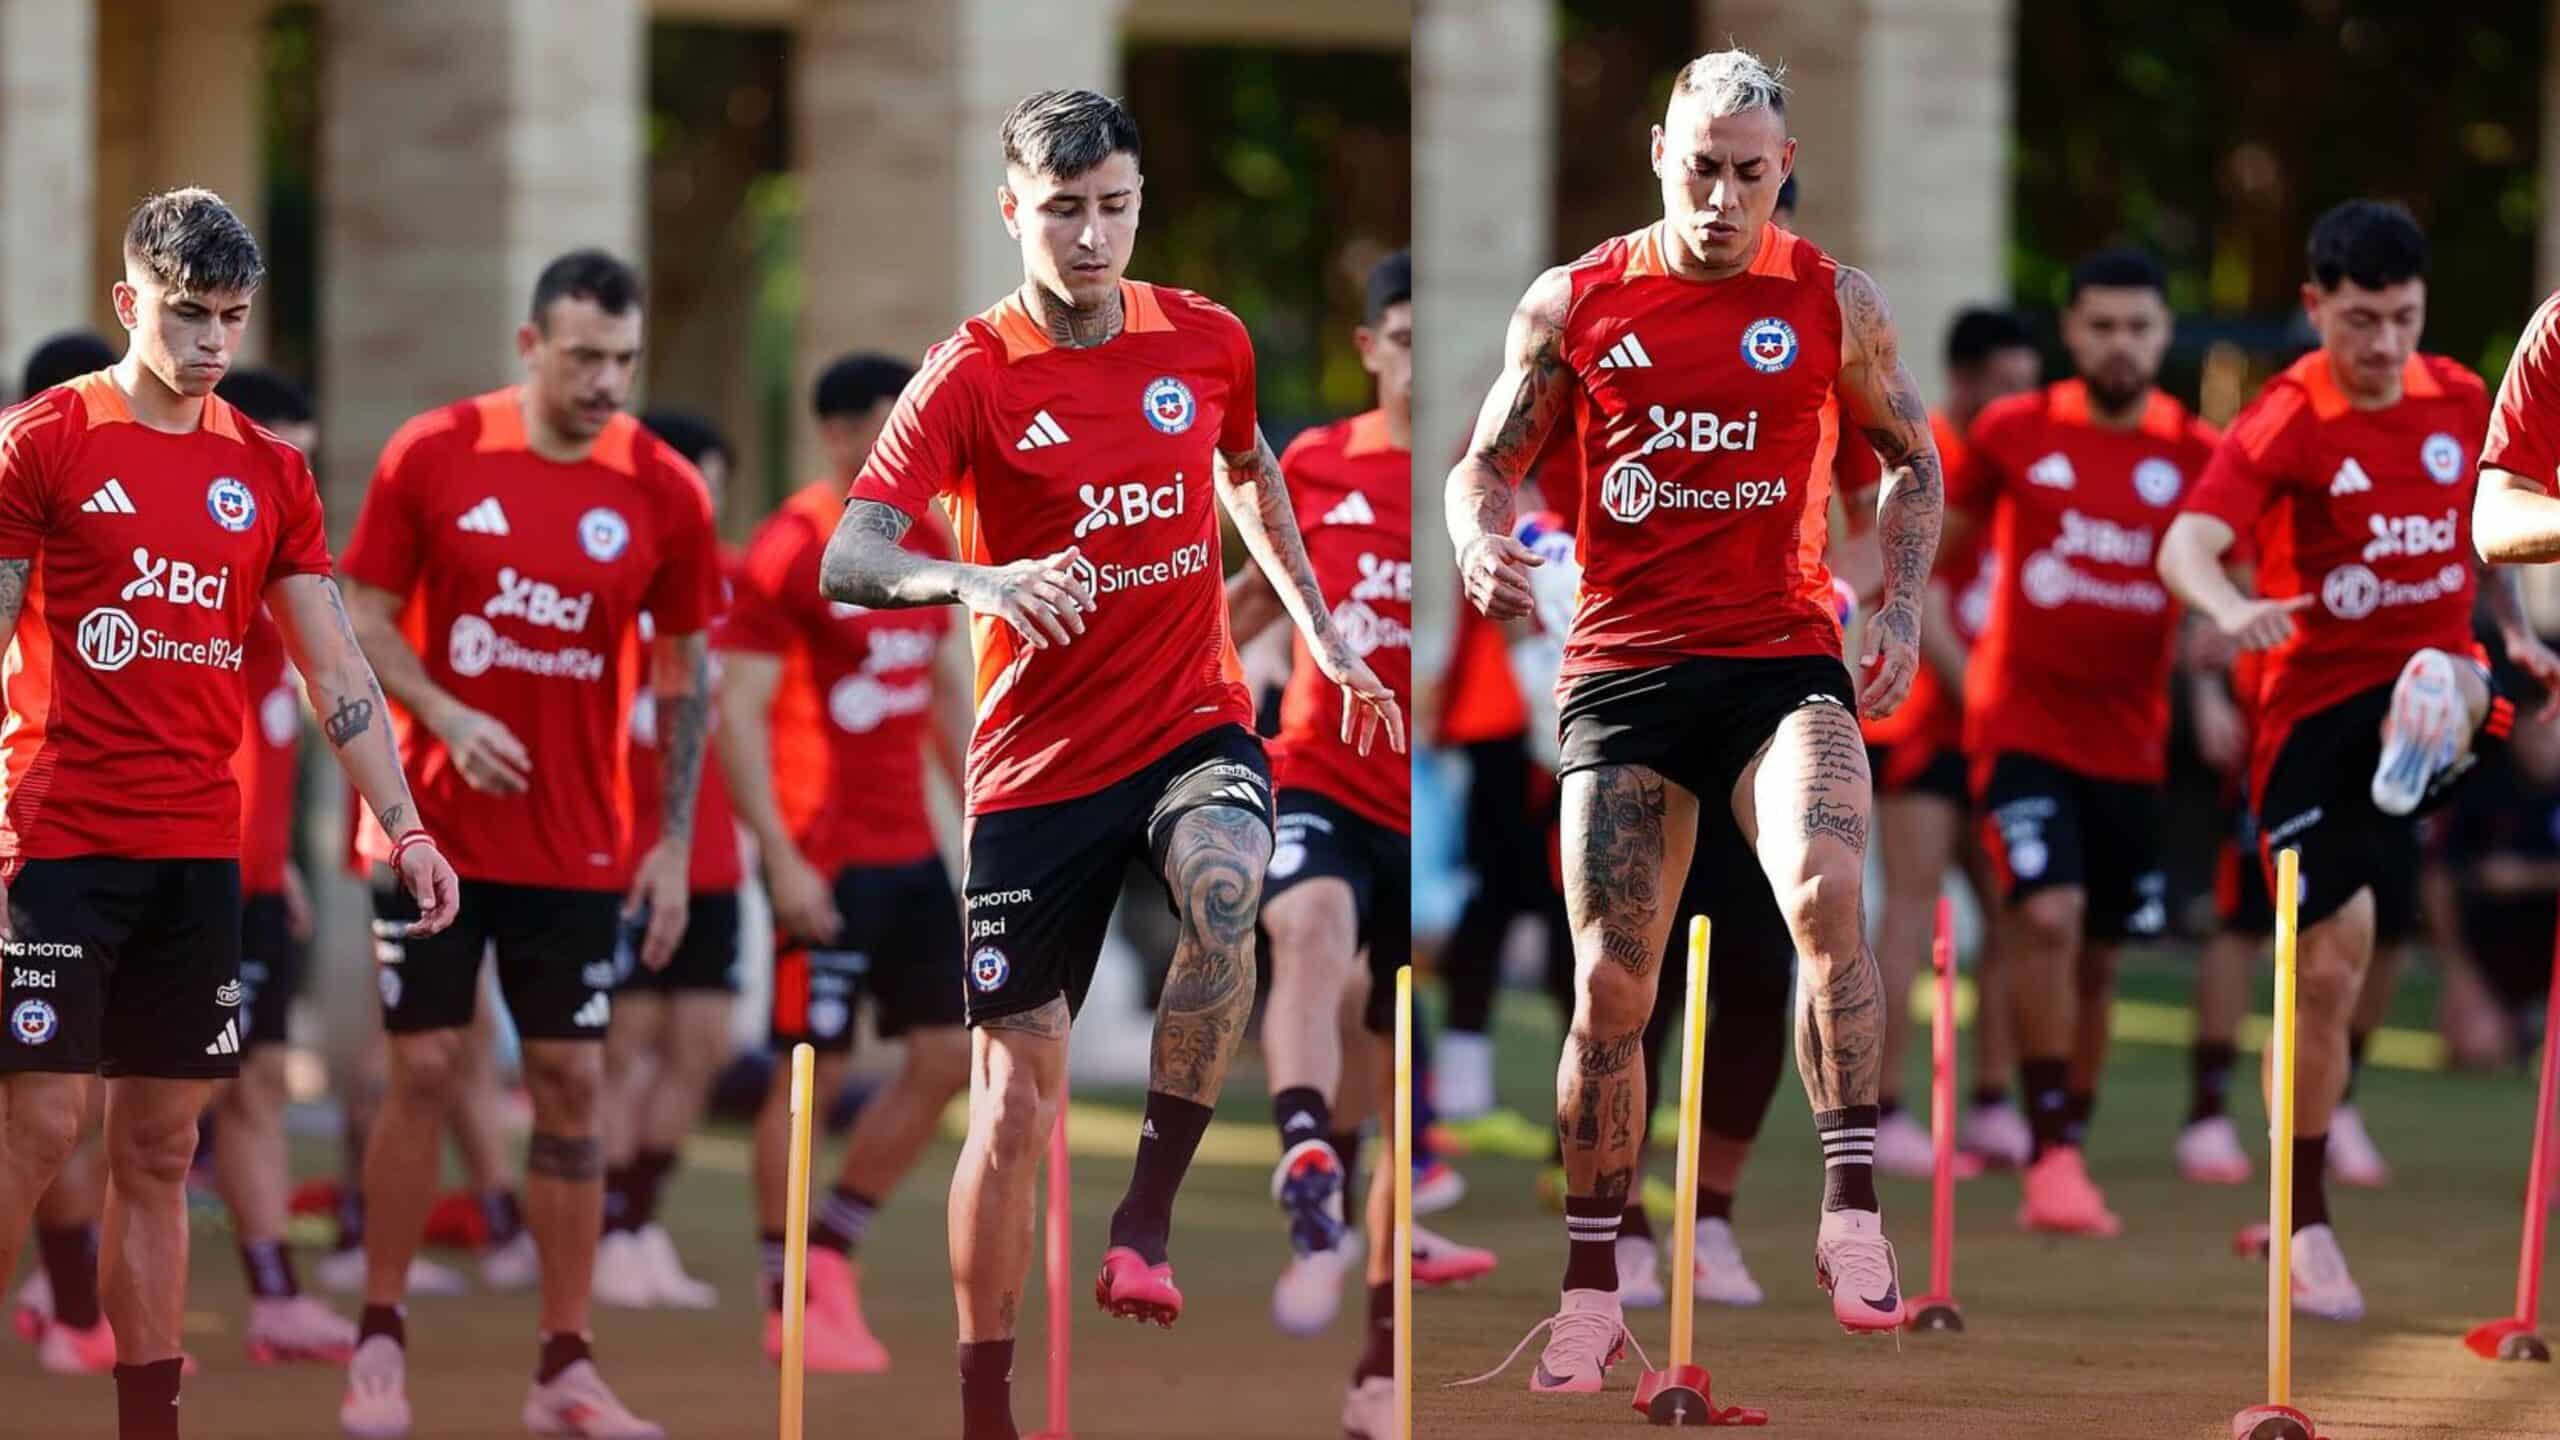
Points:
(2272, 1422)
(2508, 1339)
(1680, 1397)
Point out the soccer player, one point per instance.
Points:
(1085, 429)
(2352, 471)
(2066, 696)
(143, 521)
(251, 1168)
(827, 713)
(57, 1308)
(505, 552)
(2516, 518)
(1922, 798)
(1703, 676)
(670, 1029)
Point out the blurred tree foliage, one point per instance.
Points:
(2214, 134)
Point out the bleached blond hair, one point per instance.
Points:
(1729, 82)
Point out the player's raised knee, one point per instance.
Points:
(44, 1125)
(1826, 909)
(1013, 1116)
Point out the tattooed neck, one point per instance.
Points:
(1072, 327)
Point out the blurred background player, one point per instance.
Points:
(1922, 798)
(2066, 708)
(827, 713)
(57, 1308)
(2353, 472)
(670, 1029)
(251, 1166)
(519, 535)
(123, 868)
(1134, 737)
(1667, 647)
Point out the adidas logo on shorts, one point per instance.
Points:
(226, 1043)
(594, 1014)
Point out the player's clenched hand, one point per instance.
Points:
(1041, 599)
(803, 907)
(1495, 569)
(661, 890)
(428, 878)
(1892, 658)
(1368, 705)
(2261, 624)
(2527, 653)
(487, 753)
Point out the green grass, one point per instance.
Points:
(1223, 1371)
(2159, 1333)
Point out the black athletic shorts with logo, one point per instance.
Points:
(706, 959)
(1043, 878)
(1318, 838)
(2318, 798)
(900, 946)
(1696, 722)
(556, 962)
(2046, 825)
(1919, 767)
(270, 970)
(123, 967)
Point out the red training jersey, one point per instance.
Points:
(1110, 450)
(854, 713)
(714, 866)
(1700, 408)
(2074, 665)
(1932, 715)
(2369, 511)
(152, 554)
(525, 579)
(2521, 439)
(264, 764)
(1352, 487)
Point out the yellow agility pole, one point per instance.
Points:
(1401, 1163)
(795, 1242)
(2278, 1419)
(1678, 1395)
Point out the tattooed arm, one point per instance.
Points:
(1532, 392)
(485, 752)
(320, 638)
(1878, 396)
(680, 687)
(1250, 485)
(865, 565)
(2502, 595)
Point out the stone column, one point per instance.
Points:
(1484, 165)
(48, 162)
(1901, 110)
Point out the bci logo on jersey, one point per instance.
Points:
(1169, 405)
(1132, 504)
(1769, 345)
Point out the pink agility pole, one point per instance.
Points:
(2516, 1337)
(1061, 1256)
(1938, 1310)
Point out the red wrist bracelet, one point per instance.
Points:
(408, 842)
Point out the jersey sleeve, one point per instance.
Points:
(1973, 481)
(1243, 417)
(759, 621)
(27, 436)
(302, 543)
(2249, 466)
(684, 596)
(389, 542)
(923, 450)
(1856, 469)
(2522, 439)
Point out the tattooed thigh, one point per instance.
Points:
(1807, 791)
(1628, 834)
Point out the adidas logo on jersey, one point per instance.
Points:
(485, 518)
(594, 1014)
(1354, 510)
(110, 500)
(1040, 433)
(2053, 471)
(2350, 479)
(228, 1042)
(1627, 354)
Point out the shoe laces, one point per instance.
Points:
(1574, 1329)
(1864, 1263)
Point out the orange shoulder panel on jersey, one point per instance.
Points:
(418, 430)
(2263, 424)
